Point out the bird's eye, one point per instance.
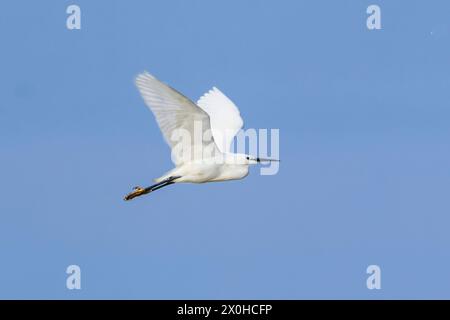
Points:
(248, 158)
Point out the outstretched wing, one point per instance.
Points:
(177, 116)
(224, 116)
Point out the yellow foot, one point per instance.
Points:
(137, 191)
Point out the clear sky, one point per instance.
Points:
(364, 142)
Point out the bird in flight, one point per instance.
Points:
(199, 134)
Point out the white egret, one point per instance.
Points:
(215, 114)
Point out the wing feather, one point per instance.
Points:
(225, 117)
(173, 111)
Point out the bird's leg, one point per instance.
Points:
(161, 186)
(138, 191)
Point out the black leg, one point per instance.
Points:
(162, 185)
(154, 187)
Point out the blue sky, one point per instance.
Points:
(364, 142)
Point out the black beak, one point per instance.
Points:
(266, 160)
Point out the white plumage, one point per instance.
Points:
(225, 117)
(199, 135)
